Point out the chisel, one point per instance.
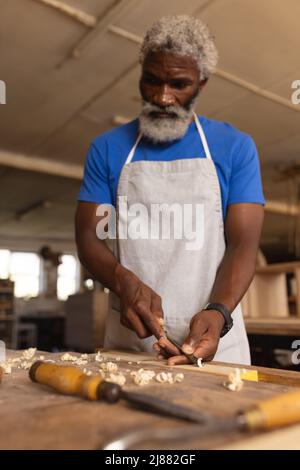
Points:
(190, 357)
(70, 380)
(279, 411)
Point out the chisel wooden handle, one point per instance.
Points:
(70, 380)
(276, 412)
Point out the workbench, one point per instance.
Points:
(35, 417)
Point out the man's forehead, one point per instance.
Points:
(170, 61)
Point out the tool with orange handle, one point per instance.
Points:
(70, 380)
(282, 410)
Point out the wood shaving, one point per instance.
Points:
(98, 357)
(87, 372)
(199, 362)
(29, 353)
(6, 367)
(142, 377)
(234, 382)
(78, 360)
(168, 377)
(22, 362)
(25, 365)
(109, 367)
(119, 379)
(68, 357)
(179, 377)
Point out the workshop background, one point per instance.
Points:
(71, 72)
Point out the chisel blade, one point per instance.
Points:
(158, 405)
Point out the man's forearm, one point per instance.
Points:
(234, 275)
(100, 262)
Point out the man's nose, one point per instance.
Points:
(164, 97)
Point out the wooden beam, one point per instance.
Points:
(283, 208)
(40, 165)
(112, 15)
(78, 15)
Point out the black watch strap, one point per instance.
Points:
(226, 314)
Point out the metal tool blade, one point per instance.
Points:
(168, 436)
(190, 357)
(158, 405)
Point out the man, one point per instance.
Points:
(168, 156)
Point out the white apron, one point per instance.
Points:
(183, 278)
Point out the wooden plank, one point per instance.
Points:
(267, 296)
(279, 267)
(216, 368)
(273, 326)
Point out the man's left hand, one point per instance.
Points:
(202, 341)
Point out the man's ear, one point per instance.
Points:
(202, 83)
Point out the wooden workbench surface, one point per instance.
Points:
(34, 417)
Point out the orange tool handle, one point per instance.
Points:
(70, 380)
(282, 410)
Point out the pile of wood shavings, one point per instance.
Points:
(119, 379)
(167, 377)
(24, 361)
(234, 383)
(144, 377)
(107, 369)
(78, 360)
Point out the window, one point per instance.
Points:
(67, 277)
(22, 268)
(4, 264)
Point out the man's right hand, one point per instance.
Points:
(141, 308)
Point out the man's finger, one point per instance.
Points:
(177, 360)
(156, 309)
(149, 320)
(126, 323)
(169, 348)
(160, 351)
(161, 357)
(207, 347)
(141, 330)
(198, 329)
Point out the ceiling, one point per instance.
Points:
(67, 82)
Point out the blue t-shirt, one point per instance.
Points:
(233, 152)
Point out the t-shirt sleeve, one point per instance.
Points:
(95, 184)
(245, 182)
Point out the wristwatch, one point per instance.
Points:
(226, 314)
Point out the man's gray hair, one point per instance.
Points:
(182, 35)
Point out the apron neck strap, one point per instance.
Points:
(131, 153)
(202, 137)
(201, 134)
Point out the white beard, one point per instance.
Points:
(161, 130)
